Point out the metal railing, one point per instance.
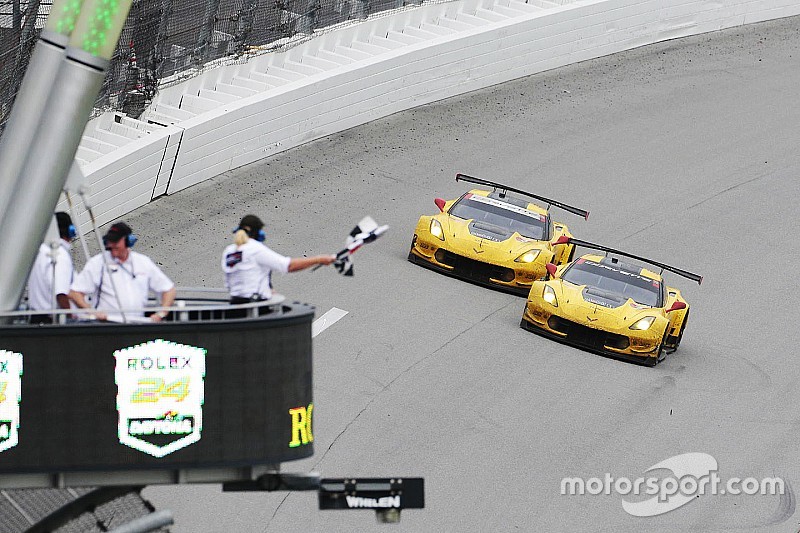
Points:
(192, 304)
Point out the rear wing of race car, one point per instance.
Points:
(686, 274)
(505, 188)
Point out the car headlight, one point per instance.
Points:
(436, 229)
(549, 296)
(528, 257)
(643, 323)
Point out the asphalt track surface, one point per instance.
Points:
(685, 152)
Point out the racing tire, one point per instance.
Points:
(680, 333)
(661, 354)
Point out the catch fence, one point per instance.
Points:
(165, 40)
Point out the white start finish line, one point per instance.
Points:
(326, 321)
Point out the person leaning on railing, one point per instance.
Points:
(120, 279)
(248, 263)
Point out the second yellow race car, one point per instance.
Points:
(491, 238)
(604, 305)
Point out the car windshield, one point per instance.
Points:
(493, 211)
(642, 290)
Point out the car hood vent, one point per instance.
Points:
(490, 232)
(603, 298)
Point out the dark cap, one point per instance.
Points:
(252, 222)
(117, 231)
(64, 222)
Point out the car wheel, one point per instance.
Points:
(411, 256)
(680, 333)
(661, 354)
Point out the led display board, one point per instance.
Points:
(10, 390)
(148, 397)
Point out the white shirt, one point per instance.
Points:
(248, 269)
(133, 278)
(48, 279)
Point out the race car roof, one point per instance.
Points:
(505, 189)
(619, 265)
(510, 205)
(685, 273)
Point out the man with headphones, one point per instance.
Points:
(120, 279)
(248, 263)
(52, 272)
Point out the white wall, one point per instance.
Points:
(233, 115)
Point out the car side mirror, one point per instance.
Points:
(561, 240)
(677, 306)
(440, 204)
(551, 270)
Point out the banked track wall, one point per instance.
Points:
(234, 115)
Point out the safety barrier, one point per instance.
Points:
(236, 114)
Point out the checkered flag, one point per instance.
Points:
(366, 231)
(343, 265)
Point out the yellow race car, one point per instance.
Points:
(604, 305)
(490, 238)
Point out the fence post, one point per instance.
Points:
(157, 61)
(201, 53)
(245, 24)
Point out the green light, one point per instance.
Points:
(97, 30)
(63, 16)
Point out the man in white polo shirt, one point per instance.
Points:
(52, 272)
(120, 279)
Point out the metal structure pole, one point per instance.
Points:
(73, 213)
(106, 257)
(16, 16)
(150, 522)
(27, 112)
(44, 173)
(34, 91)
(93, 38)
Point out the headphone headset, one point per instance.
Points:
(259, 235)
(66, 229)
(130, 240)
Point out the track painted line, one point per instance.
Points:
(326, 321)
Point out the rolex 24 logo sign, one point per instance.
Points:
(10, 393)
(160, 396)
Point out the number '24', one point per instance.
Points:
(150, 390)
